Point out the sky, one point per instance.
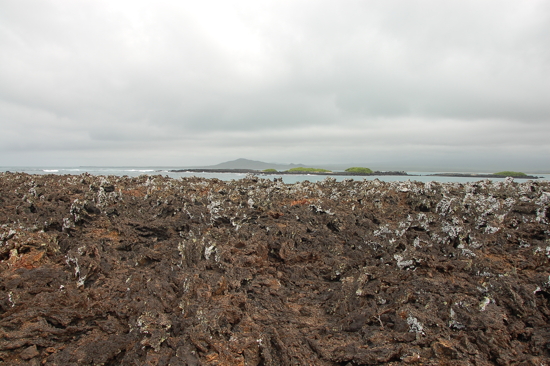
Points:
(429, 84)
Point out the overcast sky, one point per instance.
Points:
(457, 84)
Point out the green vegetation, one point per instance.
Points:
(308, 170)
(359, 170)
(511, 174)
(270, 170)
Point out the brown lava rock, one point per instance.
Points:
(158, 271)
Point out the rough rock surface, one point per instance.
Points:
(158, 271)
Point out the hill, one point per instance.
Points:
(252, 164)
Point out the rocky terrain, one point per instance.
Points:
(158, 271)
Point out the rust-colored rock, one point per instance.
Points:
(158, 271)
(29, 352)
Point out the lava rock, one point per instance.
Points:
(192, 271)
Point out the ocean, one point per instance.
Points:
(289, 179)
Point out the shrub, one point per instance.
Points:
(270, 170)
(511, 174)
(359, 170)
(308, 170)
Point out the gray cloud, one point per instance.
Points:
(198, 83)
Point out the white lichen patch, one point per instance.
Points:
(483, 304)
(80, 279)
(156, 325)
(383, 231)
(545, 251)
(7, 236)
(543, 202)
(11, 299)
(465, 251)
(415, 326)
(451, 230)
(445, 206)
(491, 229)
(208, 250)
(402, 263)
(453, 323)
(182, 251)
(68, 223)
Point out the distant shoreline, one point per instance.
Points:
(475, 175)
(253, 171)
(376, 173)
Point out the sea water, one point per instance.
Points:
(289, 179)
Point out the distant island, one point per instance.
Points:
(288, 172)
(263, 168)
(260, 167)
(249, 165)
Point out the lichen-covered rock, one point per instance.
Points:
(159, 271)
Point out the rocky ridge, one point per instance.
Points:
(157, 271)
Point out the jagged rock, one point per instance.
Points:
(153, 270)
(29, 352)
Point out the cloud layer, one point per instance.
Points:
(430, 83)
